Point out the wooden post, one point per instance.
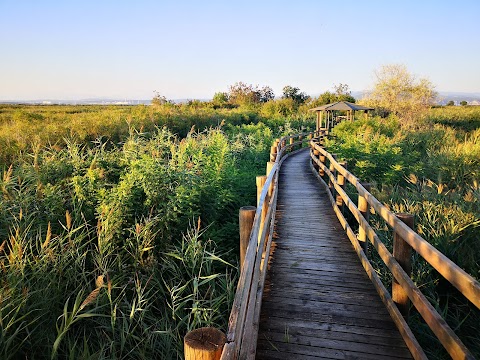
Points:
(341, 182)
(273, 153)
(204, 344)
(246, 216)
(270, 165)
(322, 158)
(316, 153)
(402, 252)
(292, 140)
(334, 172)
(300, 138)
(260, 181)
(364, 208)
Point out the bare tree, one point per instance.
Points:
(400, 92)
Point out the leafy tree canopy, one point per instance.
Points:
(290, 92)
(246, 94)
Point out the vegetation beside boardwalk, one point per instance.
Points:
(118, 224)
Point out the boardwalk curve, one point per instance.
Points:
(318, 303)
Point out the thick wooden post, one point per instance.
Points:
(273, 153)
(300, 138)
(322, 158)
(341, 182)
(204, 344)
(364, 208)
(270, 165)
(292, 140)
(316, 153)
(246, 216)
(402, 252)
(260, 181)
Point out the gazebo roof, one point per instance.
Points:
(341, 105)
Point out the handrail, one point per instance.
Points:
(243, 324)
(465, 283)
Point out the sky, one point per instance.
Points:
(191, 49)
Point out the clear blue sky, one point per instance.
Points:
(192, 49)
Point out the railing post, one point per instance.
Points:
(341, 183)
(364, 208)
(292, 140)
(270, 165)
(334, 172)
(300, 138)
(316, 153)
(204, 344)
(246, 216)
(260, 183)
(273, 152)
(322, 159)
(402, 252)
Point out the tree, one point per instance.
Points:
(243, 94)
(343, 93)
(220, 98)
(247, 94)
(463, 103)
(451, 103)
(399, 92)
(159, 99)
(266, 94)
(290, 92)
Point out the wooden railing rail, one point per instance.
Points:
(466, 284)
(241, 337)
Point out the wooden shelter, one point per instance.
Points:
(331, 113)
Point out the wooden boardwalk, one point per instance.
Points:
(318, 302)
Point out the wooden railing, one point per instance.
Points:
(244, 318)
(403, 288)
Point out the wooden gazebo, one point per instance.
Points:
(331, 117)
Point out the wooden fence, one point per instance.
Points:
(405, 239)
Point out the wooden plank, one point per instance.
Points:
(283, 350)
(335, 341)
(360, 333)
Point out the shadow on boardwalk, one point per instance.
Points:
(318, 302)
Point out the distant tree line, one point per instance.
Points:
(396, 91)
